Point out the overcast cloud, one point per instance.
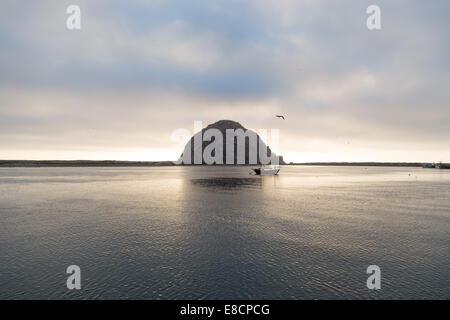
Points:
(138, 70)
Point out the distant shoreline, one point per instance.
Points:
(82, 163)
(113, 163)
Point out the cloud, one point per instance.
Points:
(140, 69)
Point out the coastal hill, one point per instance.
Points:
(187, 157)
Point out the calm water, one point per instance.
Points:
(219, 233)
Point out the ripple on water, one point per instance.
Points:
(208, 233)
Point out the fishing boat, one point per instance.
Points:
(266, 171)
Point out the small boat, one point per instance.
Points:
(266, 171)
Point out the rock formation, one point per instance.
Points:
(224, 129)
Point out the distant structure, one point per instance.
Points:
(245, 146)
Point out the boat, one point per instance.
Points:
(441, 165)
(266, 171)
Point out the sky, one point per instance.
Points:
(138, 70)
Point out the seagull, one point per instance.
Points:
(282, 117)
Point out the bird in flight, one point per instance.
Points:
(282, 117)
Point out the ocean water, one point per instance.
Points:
(220, 233)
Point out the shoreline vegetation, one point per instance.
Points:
(114, 163)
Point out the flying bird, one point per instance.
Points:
(282, 117)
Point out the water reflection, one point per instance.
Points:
(225, 183)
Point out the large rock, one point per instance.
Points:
(253, 144)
